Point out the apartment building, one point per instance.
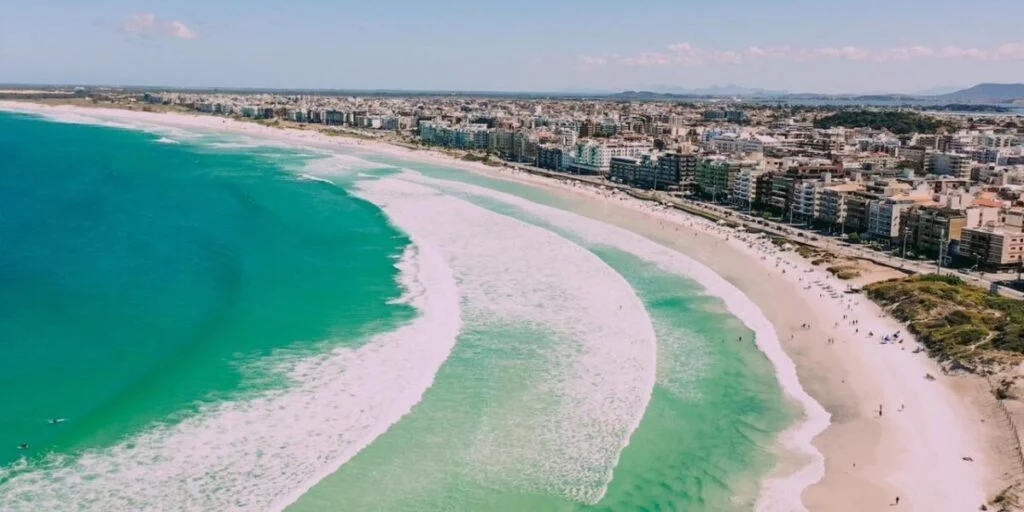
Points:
(806, 200)
(993, 246)
(914, 155)
(550, 157)
(932, 228)
(858, 205)
(624, 169)
(886, 216)
(681, 165)
(745, 190)
(596, 157)
(948, 164)
(833, 207)
(716, 178)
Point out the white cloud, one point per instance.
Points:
(648, 60)
(592, 61)
(148, 25)
(686, 54)
(727, 57)
(904, 53)
(180, 30)
(1010, 51)
(845, 52)
(139, 24)
(767, 53)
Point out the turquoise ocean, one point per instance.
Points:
(223, 324)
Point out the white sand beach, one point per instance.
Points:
(898, 426)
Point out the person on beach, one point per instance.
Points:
(879, 410)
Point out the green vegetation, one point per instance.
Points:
(484, 159)
(845, 272)
(895, 122)
(953, 319)
(471, 157)
(344, 133)
(807, 252)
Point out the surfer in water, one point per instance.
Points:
(55, 421)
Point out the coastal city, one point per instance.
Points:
(560, 256)
(921, 184)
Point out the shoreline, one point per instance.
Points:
(867, 460)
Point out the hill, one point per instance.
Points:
(986, 93)
(896, 122)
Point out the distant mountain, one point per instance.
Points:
(586, 91)
(985, 93)
(714, 90)
(646, 95)
(937, 91)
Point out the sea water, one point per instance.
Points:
(232, 326)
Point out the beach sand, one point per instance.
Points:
(915, 449)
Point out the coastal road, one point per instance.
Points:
(845, 249)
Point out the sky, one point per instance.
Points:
(825, 46)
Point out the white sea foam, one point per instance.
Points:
(233, 145)
(777, 494)
(308, 177)
(65, 116)
(584, 390)
(263, 453)
(339, 166)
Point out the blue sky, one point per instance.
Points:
(551, 45)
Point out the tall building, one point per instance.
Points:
(588, 128)
(993, 246)
(948, 164)
(624, 169)
(885, 216)
(931, 228)
(679, 168)
(858, 205)
(745, 191)
(716, 178)
(594, 157)
(549, 157)
(732, 116)
(642, 172)
(806, 200)
(834, 203)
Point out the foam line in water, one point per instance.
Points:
(334, 166)
(777, 494)
(67, 114)
(263, 453)
(309, 177)
(581, 393)
(233, 145)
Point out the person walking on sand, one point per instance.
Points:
(879, 410)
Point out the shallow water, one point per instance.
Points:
(225, 324)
